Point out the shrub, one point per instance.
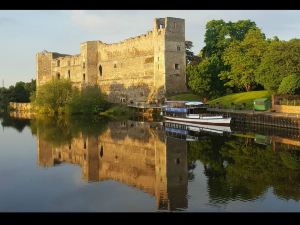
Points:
(53, 96)
(89, 101)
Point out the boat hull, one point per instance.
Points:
(207, 121)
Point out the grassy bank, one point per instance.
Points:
(184, 97)
(239, 99)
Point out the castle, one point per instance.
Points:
(145, 68)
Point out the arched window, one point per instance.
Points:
(69, 74)
(84, 76)
(100, 70)
(58, 75)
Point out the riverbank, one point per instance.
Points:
(284, 120)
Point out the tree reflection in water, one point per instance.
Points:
(239, 168)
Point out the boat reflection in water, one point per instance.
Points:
(192, 132)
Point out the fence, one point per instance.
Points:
(287, 103)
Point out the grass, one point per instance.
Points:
(239, 99)
(118, 112)
(185, 97)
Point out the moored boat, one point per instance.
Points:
(192, 112)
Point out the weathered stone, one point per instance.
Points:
(143, 68)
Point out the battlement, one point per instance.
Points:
(140, 68)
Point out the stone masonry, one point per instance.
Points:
(145, 68)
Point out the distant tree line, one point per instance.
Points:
(20, 92)
(238, 57)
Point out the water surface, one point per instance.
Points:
(88, 164)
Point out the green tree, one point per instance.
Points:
(220, 34)
(203, 79)
(20, 93)
(190, 57)
(53, 96)
(243, 57)
(281, 59)
(290, 85)
(89, 101)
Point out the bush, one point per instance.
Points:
(89, 101)
(290, 85)
(53, 96)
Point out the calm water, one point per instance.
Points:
(95, 165)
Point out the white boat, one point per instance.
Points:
(192, 112)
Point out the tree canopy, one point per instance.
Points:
(20, 92)
(204, 76)
(281, 59)
(243, 57)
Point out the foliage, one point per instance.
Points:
(53, 96)
(244, 57)
(203, 79)
(58, 97)
(220, 34)
(88, 101)
(290, 85)
(240, 98)
(281, 59)
(20, 92)
(203, 76)
(190, 57)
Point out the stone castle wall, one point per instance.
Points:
(143, 68)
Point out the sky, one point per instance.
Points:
(24, 33)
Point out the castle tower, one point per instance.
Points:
(43, 67)
(89, 58)
(169, 55)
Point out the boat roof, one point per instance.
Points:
(194, 103)
(187, 102)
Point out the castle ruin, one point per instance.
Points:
(145, 68)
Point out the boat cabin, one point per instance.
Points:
(188, 109)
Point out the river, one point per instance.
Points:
(94, 165)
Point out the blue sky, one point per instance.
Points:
(24, 33)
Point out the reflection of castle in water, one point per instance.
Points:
(131, 153)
